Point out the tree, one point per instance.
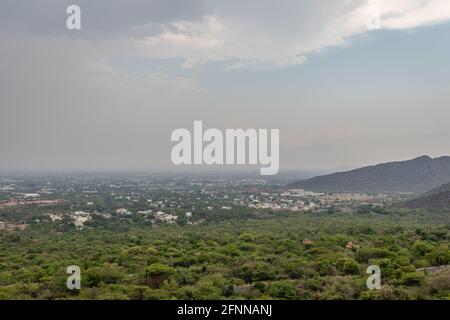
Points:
(157, 273)
(412, 279)
(439, 255)
(421, 248)
(282, 290)
(351, 267)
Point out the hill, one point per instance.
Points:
(438, 198)
(416, 175)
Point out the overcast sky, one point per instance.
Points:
(108, 96)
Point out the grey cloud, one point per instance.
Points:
(99, 17)
(64, 105)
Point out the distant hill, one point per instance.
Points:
(417, 175)
(438, 198)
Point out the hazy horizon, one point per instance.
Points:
(201, 170)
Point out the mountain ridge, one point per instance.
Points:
(438, 198)
(416, 175)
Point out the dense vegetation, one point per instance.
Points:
(252, 258)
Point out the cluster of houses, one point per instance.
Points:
(81, 217)
(293, 200)
(285, 205)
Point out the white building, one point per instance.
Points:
(123, 211)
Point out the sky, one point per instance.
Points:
(108, 96)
